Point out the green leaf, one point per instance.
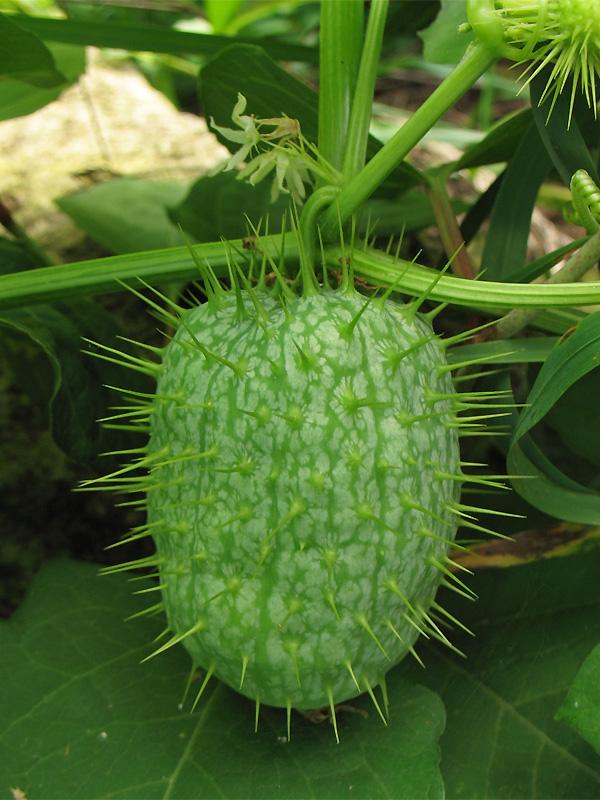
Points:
(81, 717)
(480, 210)
(507, 351)
(68, 385)
(215, 206)
(581, 709)
(538, 481)
(127, 215)
(574, 416)
(14, 256)
(534, 625)
(444, 44)
(24, 57)
(499, 144)
(506, 241)
(18, 99)
(268, 88)
(152, 38)
(409, 211)
(406, 17)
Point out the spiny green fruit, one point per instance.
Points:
(559, 36)
(303, 488)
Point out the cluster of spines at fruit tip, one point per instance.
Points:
(470, 413)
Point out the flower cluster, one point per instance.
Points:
(287, 155)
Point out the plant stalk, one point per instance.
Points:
(448, 227)
(340, 43)
(476, 61)
(362, 103)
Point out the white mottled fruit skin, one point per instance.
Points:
(299, 502)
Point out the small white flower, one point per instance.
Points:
(287, 153)
(290, 172)
(248, 135)
(285, 128)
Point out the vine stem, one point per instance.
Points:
(380, 268)
(104, 275)
(476, 61)
(572, 271)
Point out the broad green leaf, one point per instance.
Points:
(581, 709)
(127, 215)
(14, 257)
(534, 626)
(45, 348)
(538, 481)
(574, 417)
(268, 88)
(409, 211)
(480, 210)
(18, 99)
(24, 57)
(444, 44)
(216, 206)
(506, 241)
(81, 717)
(406, 17)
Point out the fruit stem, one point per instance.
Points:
(320, 199)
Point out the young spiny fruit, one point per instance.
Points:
(303, 487)
(560, 35)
